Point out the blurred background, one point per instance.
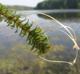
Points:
(15, 54)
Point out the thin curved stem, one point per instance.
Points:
(70, 35)
(54, 61)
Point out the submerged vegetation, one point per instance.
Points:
(35, 37)
(17, 62)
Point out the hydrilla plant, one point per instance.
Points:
(35, 37)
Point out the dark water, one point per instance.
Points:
(15, 56)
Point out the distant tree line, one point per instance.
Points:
(59, 4)
(19, 7)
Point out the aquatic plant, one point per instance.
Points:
(35, 36)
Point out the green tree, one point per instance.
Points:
(58, 4)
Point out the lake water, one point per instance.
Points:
(15, 56)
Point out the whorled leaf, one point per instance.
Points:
(35, 37)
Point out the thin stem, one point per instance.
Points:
(70, 35)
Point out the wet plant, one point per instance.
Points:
(35, 36)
